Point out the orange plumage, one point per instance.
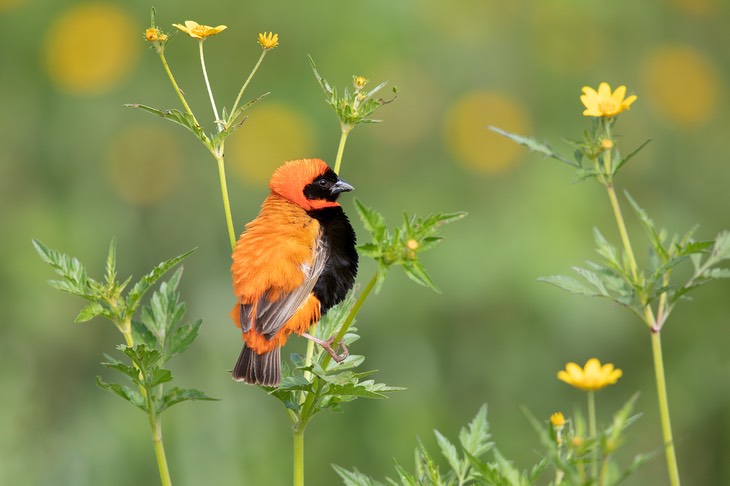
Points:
(291, 264)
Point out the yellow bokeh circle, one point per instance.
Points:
(143, 164)
(681, 85)
(273, 134)
(469, 140)
(90, 47)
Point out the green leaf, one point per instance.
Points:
(354, 477)
(123, 392)
(142, 334)
(181, 338)
(183, 119)
(178, 395)
(232, 125)
(570, 284)
(111, 264)
(475, 437)
(535, 146)
(373, 221)
(449, 452)
(415, 271)
(92, 310)
(621, 163)
(73, 272)
(141, 287)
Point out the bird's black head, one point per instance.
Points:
(326, 187)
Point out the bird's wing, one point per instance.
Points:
(274, 309)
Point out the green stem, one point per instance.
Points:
(656, 346)
(341, 148)
(351, 317)
(299, 457)
(155, 424)
(307, 408)
(160, 450)
(226, 201)
(592, 430)
(207, 85)
(622, 229)
(661, 385)
(245, 85)
(176, 87)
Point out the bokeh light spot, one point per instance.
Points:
(90, 48)
(469, 139)
(681, 84)
(274, 134)
(143, 164)
(700, 8)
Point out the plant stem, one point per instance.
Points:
(661, 384)
(656, 347)
(299, 457)
(160, 450)
(307, 407)
(207, 84)
(622, 229)
(226, 202)
(341, 148)
(592, 429)
(245, 85)
(176, 87)
(155, 423)
(351, 317)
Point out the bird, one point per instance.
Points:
(292, 263)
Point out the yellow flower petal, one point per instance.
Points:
(198, 31)
(268, 40)
(592, 376)
(604, 103)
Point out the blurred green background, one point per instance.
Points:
(77, 169)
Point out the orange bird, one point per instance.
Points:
(293, 262)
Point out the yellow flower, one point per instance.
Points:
(603, 102)
(607, 144)
(153, 34)
(591, 377)
(557, 420)
(197, 31)
(268, 40)
(412, 244)
(359, 82)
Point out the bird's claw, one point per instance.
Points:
(327, 346)
(337, 357)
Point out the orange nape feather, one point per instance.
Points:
(290, 179)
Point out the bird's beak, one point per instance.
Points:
(341, 186)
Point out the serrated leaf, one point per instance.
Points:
(141, 334)
(354, 477)
(621, 162)
(717, 273)
(181, 338)
(416, 272)
(570, 284)
(123, 392)
(373, 221)
(475, 437)
(75, 280)
(534, 145)
(90, 311)
(111, 263)
(183, 119)
(140, 288)
(449, 451)
(294, 383)
(370, 250)
(593, 279)
(178, 395)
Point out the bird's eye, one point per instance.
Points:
(322, 183)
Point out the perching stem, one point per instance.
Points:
(226, 202)
(245, 85)
(207, 84)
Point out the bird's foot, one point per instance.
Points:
(327, 346)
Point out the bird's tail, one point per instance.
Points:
(258, 369)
